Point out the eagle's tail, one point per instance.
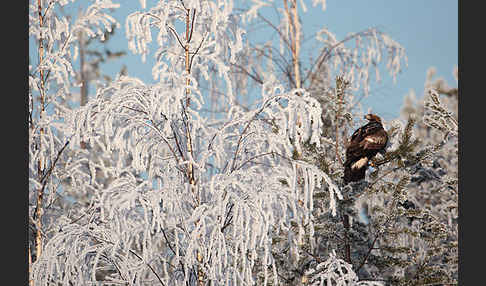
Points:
(347, 174)
(353, 175)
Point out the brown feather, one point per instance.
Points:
(364, 144)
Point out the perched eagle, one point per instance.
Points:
(365, 143)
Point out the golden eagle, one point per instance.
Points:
(365, 143)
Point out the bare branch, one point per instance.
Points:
(177, 37)
(227, 219)
(44, 180)
(240, 139)
(282, 36)
(326, 52)
(183, 5)
(195, 53)
(192, 25)
(254, 77)
(138, 256)
(167, 241)
(166, 141)
(253, 158)
(285, 70)
(177, 142)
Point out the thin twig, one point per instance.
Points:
(177, 143)
(175, 34)
(382, 176)
(148, 264)
(138, 256)
(137, 110)
(316, 258)
(282, 36)
(327, 52)
(346, 238)
(227, 221)
(192, 25)
(368, 253)
(283, 69)
(116, 266)
(55, 59)
(183, 5)
(240, 139)
(255, 78)
(375, 239)
(166, 141)
(254, 157)
(48, 7)
(44, 180)
(167, 241)
(38, 207)
(54, 163)
(195, 53)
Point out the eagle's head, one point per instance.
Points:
(372, 117)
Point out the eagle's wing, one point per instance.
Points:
(369, 136)
(354, 150)
(374, 140)
(358, 134)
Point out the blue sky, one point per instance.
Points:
(428, 30)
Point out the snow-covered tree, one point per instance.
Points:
(227, 169)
